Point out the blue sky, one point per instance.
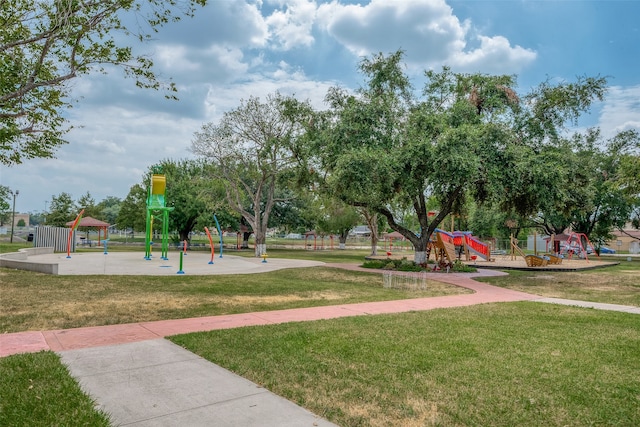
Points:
(233, 49)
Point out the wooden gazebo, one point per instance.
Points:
(90, 222)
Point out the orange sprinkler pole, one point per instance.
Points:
(213, 249)
(73, 227)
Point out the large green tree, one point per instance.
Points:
(62, 209)
(628, 177)
(254, 149)
(88, 203)
(44, 44)
(592, 194)
(388, 150)
(5, 205)
(331, 216)
(109, 208)
(132, 213)
(186, 194)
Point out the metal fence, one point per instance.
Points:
(55, 237)
(413, 281)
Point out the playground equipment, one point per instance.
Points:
(448, 242)
(553, 258)
(445, 250)
(531, 260)
(476, 247)
(213, 249)
(71, 230)
(156, 202)
(577, 244)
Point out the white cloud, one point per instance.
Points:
(426, 30)
(285, 79)
(621, 110)
(100, 146)
(231, 60)
(291, 26)
(494, 56)
(174, 58)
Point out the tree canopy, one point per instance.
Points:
(254, 150)
(5, 206)
(468, 135)
(61, 210)
(44, 44)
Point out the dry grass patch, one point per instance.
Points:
(614, 285)
(242, 300)
(33, 301)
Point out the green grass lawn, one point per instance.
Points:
(494, 364)
(515, 364)
(37, 390)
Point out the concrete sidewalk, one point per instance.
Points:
(157, 383)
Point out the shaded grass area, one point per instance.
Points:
(37, 390)
(619, 284)
(33, 301)
(490, 365)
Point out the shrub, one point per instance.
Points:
(405, 265)
(374, 263)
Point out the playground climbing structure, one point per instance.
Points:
(156, 203)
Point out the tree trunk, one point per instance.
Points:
(342, 239)
(261, 246)
(372, 223)
(420, 257)
(374, 243)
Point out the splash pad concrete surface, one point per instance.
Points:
(134, 263)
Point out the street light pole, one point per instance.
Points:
(13, 215)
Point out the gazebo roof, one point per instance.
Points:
(393, 235)
(88, 221)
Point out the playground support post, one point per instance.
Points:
(147, 237)
(165, 234)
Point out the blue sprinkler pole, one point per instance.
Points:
(219, 233)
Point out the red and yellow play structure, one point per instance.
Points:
(444, 245)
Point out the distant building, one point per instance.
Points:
(18, 217)
(360, 231)
(627, 241)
